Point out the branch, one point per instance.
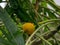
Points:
(47, 36)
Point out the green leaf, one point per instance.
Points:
(6, 33)
(44, 4)
(5, 42)
(11, 26)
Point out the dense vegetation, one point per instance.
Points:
(42, 22)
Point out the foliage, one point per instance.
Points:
(18, 12)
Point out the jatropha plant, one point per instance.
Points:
(29, 22)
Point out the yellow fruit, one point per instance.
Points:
(28, 28)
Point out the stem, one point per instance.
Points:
(48, 21)
(37, 5)
(40, 35)
(44, 39)
(48, 36)
(35, 32)
(38, 29)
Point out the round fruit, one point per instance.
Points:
(28, 28)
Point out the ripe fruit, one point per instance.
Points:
(28, 28)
